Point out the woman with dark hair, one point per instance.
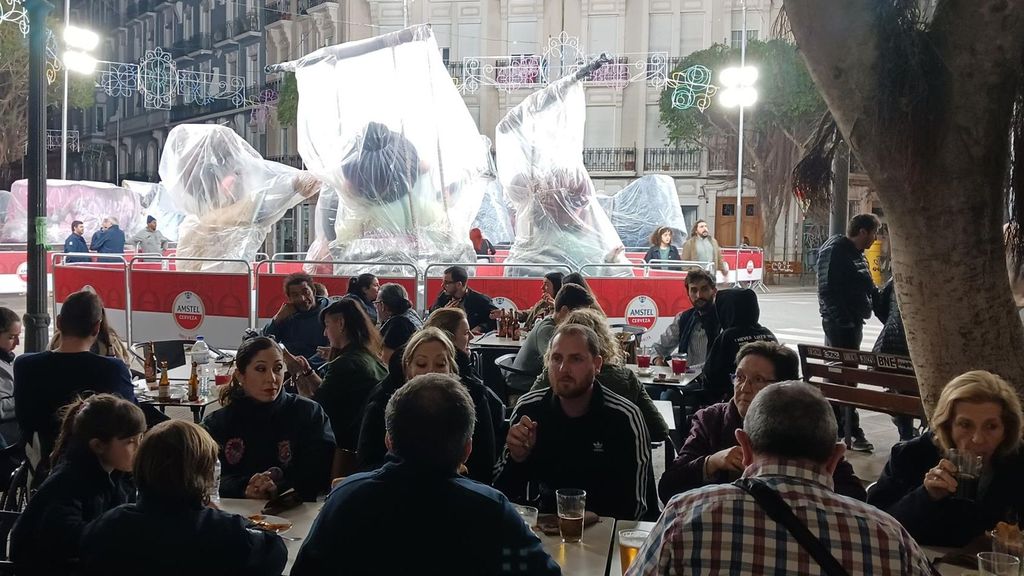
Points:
(270, 440)
(661, 246)
(364, 289)
(398, 321)
(351, 372)
(481, 245)
(544, 307)
(174, 470)
(10, 334)
(92, 458)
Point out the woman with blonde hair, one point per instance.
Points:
(174, 470)
(979, 413)
(614, 375)
(429, 351)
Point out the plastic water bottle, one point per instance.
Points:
(201, 356)
(215, 489)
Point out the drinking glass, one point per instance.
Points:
(630, 542)
(968, 471)
(528, 513)
(998, 564)
(643, 358)
(572, 505)
(679, 364)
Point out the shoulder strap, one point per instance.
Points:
(777, 509)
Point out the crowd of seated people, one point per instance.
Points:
(432, 438)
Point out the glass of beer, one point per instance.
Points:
(630, 542)
(528, 513)
(572, 504)
(968, 471)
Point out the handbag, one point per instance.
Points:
(777, 509)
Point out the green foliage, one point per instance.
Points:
(787, 97)
(288, 101)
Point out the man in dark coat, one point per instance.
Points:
(456, 293)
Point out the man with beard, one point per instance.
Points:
(701, 247)
(297, 323)
(577, 434)
(692, 330)
(456, 294)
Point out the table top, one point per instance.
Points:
(301, 518)
(615, 567)
(491, 340)
(651, 378)
(586, 558)
(665, 409)
(945, 568)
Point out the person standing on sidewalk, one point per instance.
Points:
(845, 296)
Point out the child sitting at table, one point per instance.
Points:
(92, 458)
(172, 529)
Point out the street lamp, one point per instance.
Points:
(79, 42)
(739, 91)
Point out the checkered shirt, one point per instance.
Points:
(720, 529)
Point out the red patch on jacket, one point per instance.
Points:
(284, 452)
(234, 449)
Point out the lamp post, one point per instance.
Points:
(739, 92)
(79, 42)
(37, 320)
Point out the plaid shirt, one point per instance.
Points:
(721, 530)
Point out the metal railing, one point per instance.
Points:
(248, 22)
(188, 111)
(293, 160)
(610, 159)
(673, 159)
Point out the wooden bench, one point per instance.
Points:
(839, 373)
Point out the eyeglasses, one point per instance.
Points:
(755, 382)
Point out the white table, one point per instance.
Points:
(301, 518)
(651, 378)
(665, 409)
(492, 340)
(586, 558)
(944, 568)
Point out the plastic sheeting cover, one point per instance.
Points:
(646, 204)
(70, 200)
(230, 195)
(381, 122)
(540, 164)
(157, 202)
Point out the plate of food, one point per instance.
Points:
(269, 523)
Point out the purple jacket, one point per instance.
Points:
(714, 429)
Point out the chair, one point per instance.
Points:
(17, 494)
(7, 520)
(345, 463)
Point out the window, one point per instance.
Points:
(728, 209)
(738, 34)
(168, 29)
(749, 210)
(443, 35)
(659, 38)
(253, 72)
(655, 134)
(691, 33)
(101, 118)
(689, 215)
(600, 127)
(753, 24)
(469, 40)
(522, 37)
(603, 34)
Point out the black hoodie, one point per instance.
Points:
(738, 313)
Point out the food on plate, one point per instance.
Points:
(261, 522)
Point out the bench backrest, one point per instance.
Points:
(837, 371)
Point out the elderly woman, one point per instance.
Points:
(711, 453)
(614, 375)
(977, 412)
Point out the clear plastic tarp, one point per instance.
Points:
(70, 200)
(230, 195)
(540, 164)
(640, 209)
(324, 219)
(494, 218)
(381, 122)
(157, 202)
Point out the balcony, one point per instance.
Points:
(454, 69)
(307, 4)
(610, 159)
(200, 43)
(673, 62)
(181, 48)
(275, 11)
(293, 160)
(673, 160)
(245, 24)
(614, 73)
(185, 112)
(517, 72)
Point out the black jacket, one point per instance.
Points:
(159, 537)
(446, 524)
(347, 382)
(48, 533)
(893, 337)
(397, 330)
(477, 306)
(654, 253)
(738, 313)
(606, 452)
(291, 433)
(368, 306)
(950, 521)
(845, 288)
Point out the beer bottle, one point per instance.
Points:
(504, 324)
(164, 389)
(501, 323)
(149, 366)
(193, 384)
(515, 327)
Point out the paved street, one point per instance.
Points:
(793, 317)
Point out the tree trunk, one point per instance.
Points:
(944, 206)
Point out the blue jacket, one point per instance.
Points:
(75, 243)
(446, 524)
(301, 332)
(109, 241)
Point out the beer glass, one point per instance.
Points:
(997, 564)
(968, 471)
(528, 513)
(572, 504)
(630, 542)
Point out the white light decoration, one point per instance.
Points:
(738, 87)
(80, 38)
(79, 62)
